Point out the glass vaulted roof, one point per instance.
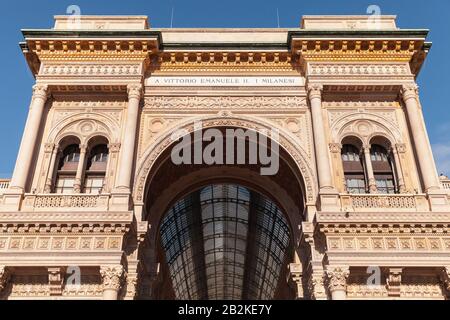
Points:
(225, 242)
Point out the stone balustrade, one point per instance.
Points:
(446, 184)
(371, 202)
(73, 202)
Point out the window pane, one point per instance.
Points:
(64, 185)
(356, 185)
(94, 185)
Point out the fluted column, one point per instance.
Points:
(112, 278)
(80, 170)
(369, 170)
(129, 140)
(399, 170)
(30, 134)
(320, 141)
(51, 169)
(337, 282)
(419, 135)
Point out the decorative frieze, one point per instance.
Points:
(225, 102)
(91, 70)
(359, 69)
(42, 242)
(419, 286)
(372, 242)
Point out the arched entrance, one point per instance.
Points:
(180, 263)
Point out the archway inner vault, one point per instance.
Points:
(225, 242)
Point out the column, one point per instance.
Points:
(112, 277)
(4, 278)
(398, 170)
(80, 170)
(337, 282)
(394, 282)
(30, 134)
(51, 170)
(320, 141)
(55, 280)
(369, 170)
(418, 133)
(129, 140)
(296, 275)
(113, 149)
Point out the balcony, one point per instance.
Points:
(71, 202)
(4, 185)
(384, 202)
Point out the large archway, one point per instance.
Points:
(169, 185)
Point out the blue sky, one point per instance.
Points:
(16, 80)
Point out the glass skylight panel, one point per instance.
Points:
(205, 237)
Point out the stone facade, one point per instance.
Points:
(333, 83)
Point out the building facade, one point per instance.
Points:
(97, 209)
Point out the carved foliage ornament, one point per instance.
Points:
(134, 91)
(410, 91)
(337, 278)
(315, 91)
(40, 91)
(112, 277)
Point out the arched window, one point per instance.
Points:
(382, 169)
(67, 169)
(96, 169)
(353, 169)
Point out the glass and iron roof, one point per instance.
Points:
(225, 242)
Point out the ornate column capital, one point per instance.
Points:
(337, 278)
(4, 277)
(114, 147)
(315, 90)
(112, 277)
(366, 147)
(49, 147)
(40, 91)
(134, 91)
(83, 148)
(335, 147)
(410, 91)
(400, 147)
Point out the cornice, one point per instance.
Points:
(363, 34)
(91, 34)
